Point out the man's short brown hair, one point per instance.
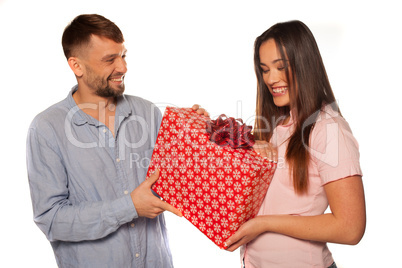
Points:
(78, 33)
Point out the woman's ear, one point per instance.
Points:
(76, 66)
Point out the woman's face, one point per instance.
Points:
(274, 73)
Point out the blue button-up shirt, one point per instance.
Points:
(81, 177)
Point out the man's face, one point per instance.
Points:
(104, 67)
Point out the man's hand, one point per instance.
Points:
(146, 203)
(200, 110)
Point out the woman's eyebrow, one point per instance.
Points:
(273, 62)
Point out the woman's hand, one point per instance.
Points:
(200, 110)
(247, 232)
(266, 150)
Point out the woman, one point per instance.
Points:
(318, 158)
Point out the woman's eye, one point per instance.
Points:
(265, 71)
(281, 68)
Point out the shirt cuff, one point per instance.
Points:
(123, 209)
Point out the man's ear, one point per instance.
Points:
(76, 66)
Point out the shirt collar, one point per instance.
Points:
(80, 118)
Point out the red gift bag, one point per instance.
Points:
(217, 188)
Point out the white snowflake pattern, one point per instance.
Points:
(208, 221)
(201, 214)
(202, 139)
(239, 198)
(225, 233)
(191, 196)
(207, 197)
(212, 180)
(220, 174)
(194, 133)
(186, 202)
(218, 239)
(186, 213)
(204, 174)
(232, 216)
(229, 181)
(202, 227)
(229, 192)
(223, 211)
(217, 227)
(240, 209)
(184, 191)
(193, 208)
(208, 209)
(231, 205)
(197, 168)
(187, 139)
(205, 186)
(198, 192)
(204, 162)
(183, 168)
(222, 198)
(214, 192)
(245, 180)
(181, 157)
(224, 222)
(247, 190)
(210, 233)
(236, 162)
(228, 168)
(215, 204)
(189, 151)
(237, 186)
(194, 220)
(216, 216)
(191, 186)
(221, 186)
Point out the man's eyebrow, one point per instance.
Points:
(111, 56)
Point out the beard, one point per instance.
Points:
(101, 86)
(107, 91)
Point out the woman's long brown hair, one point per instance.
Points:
(308, 91)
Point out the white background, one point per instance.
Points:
(186, 52)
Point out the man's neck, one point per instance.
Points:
(101, 108)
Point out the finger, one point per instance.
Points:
(232, 246)
(200, 111)
(168, 207)
(153, 178)
(196, 107)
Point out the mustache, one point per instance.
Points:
(116, 75)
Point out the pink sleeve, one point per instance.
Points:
(334, 149)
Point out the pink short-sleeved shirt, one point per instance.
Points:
(335, 155)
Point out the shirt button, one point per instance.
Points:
(132, 225)
(118, 160)
(104, 130)
(125, 192)
(137, 255)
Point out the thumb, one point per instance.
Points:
(153, 178)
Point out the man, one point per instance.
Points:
(88, 156)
